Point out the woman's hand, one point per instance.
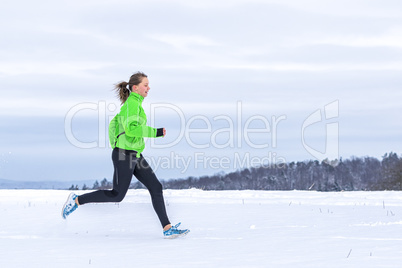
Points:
(164, 132)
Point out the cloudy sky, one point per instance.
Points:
(234, 83)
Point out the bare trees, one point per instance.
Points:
(365, 173)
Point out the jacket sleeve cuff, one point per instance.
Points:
(159, 132)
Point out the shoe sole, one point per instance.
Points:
(64, 206)
(177, 235)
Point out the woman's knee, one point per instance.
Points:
(119, 197)
(156, 188)
(116, 196)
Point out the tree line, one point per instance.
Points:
(354, 174)
(103, 185)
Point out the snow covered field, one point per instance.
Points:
(228, 229)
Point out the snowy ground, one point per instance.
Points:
(228, 229)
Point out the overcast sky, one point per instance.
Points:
(316, 78)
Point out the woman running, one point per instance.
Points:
(127, 131)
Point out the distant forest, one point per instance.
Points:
(355, 174)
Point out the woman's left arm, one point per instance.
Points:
(135, 127)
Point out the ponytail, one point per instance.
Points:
(123, 92)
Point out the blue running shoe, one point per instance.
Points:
(173, 232)
(69, 206)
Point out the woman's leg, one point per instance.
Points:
(124, 164)
(144, 173)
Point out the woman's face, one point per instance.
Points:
(142, 88)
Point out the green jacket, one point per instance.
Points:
(128, 129)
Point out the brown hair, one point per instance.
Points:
(121, 88)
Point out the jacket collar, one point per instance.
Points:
(137, 96)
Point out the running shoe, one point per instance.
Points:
(173, 232)
(69, 206)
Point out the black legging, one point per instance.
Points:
(125, 165)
